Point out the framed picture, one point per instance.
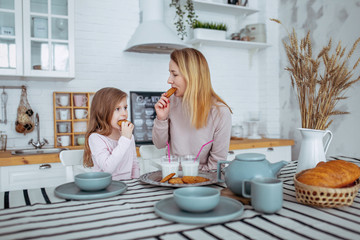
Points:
(143, 115)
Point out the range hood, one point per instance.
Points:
(152, 34)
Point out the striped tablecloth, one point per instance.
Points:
(39, 214)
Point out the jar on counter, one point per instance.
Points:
(3, 141)
(237, 131)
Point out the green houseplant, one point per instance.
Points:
(181, 11)
(209, 30)
(209, 25)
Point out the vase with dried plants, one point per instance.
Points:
(320, 82)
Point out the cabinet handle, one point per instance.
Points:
(44, 166)
(270, 149)
(231, 152)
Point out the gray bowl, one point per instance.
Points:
(197, 199)
(93, 181)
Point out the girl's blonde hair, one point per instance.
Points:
(102, 109)
(199, 95)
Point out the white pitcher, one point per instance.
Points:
(312, 149)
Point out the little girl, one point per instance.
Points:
(109, 147)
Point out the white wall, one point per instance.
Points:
(334, 19)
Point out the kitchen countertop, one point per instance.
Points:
(259, 143)
(7, 159)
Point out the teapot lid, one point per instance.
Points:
(250, 156)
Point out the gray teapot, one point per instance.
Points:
(245, 167)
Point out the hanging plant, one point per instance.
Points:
(180, 13)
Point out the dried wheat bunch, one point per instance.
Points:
(319, 82)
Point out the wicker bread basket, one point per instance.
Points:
(323, 196)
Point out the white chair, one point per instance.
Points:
(73, 161)
(149, 153)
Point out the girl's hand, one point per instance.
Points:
(127, 129)
(162, 108)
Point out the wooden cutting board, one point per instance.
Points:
(227, 193)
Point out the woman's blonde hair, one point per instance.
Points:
(101, 111)
(199, 95)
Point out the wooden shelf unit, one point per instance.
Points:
(75, 128)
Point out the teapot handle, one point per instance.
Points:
(219, 170)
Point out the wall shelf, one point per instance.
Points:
(75, 127)
(223, 8)
(229, 43)
(226, 9)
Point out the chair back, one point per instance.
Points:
(148, 153)
(151, 152)
(71, 159)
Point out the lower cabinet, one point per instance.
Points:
(31, 176)
(273, 154)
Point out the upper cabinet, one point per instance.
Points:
(11, 38)
(43, 41)
(227, 9)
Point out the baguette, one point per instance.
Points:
(170, 92)
(332, 174)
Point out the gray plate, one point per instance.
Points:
(71, 191)
(226, 210)
(154, 178)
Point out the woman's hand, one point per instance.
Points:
(162, 108)
(127, 129)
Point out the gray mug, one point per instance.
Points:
(266, 194)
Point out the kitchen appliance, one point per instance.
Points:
(152, 35)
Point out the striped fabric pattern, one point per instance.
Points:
(39, 214)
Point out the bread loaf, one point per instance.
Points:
(332, 174)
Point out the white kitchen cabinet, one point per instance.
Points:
(226, 9)
(44, 39)
(273, 154)
(11, 38)
(32, 176)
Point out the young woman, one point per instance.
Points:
(195, 114)
(108, 146)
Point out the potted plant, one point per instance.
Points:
(180, 13)
(209, 30)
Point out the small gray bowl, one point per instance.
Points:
(197, 199)
(93, 181)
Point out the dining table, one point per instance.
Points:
(40, 214)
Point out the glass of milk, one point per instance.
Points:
(169, 165)
(190, 166)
